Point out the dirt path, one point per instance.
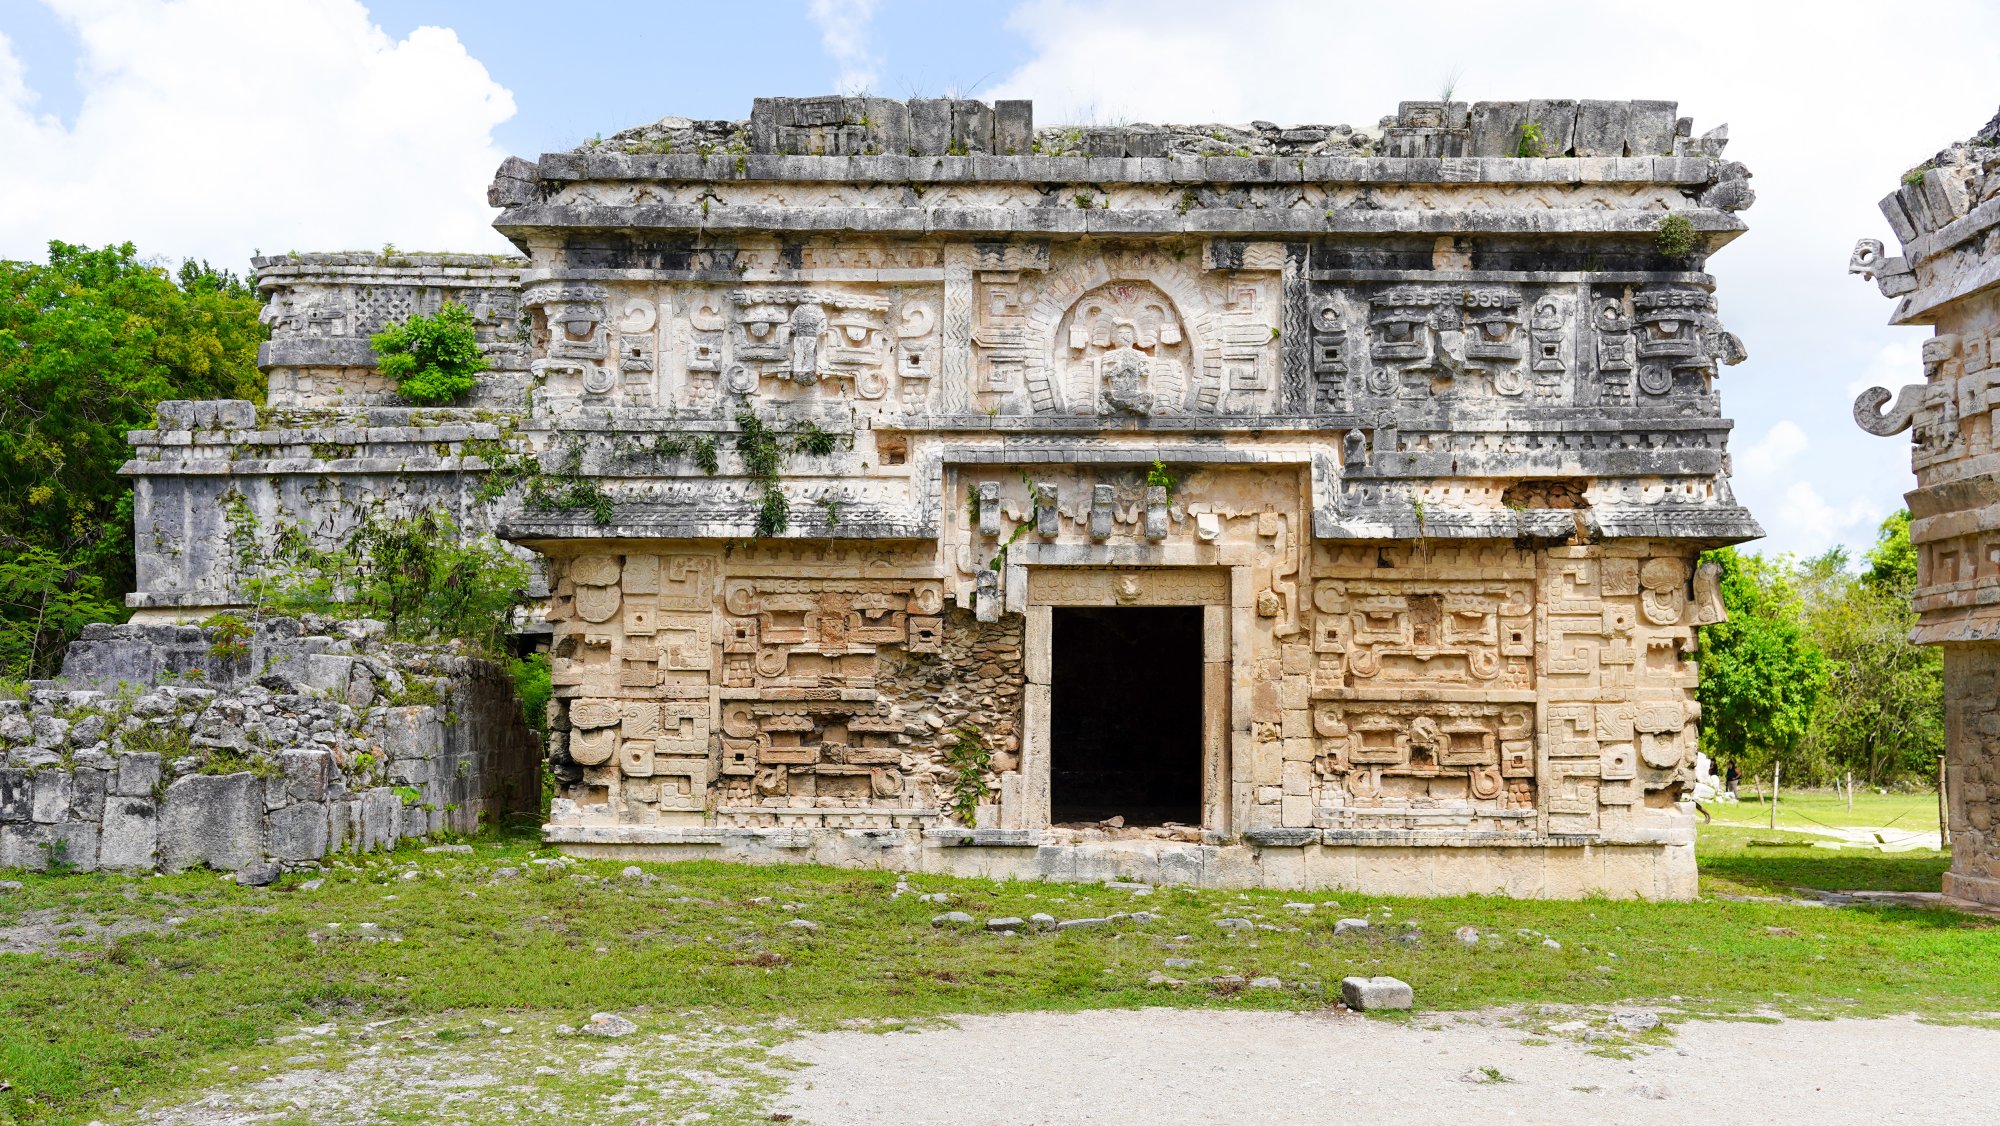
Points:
(1220, 1067)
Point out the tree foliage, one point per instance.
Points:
(89, 343)
(1815, 668)
(432, 359)
(1881, 713)
(1760, 674)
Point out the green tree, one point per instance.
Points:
(1892, 562)
(1760, 674)
(89, 343)
(432, 359)
(1880, 714)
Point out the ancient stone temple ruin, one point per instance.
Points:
(1947, 217)
(923, 489)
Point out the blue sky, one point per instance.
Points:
(215, 128)
(574, 76)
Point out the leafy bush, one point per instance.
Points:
(44, 602)
(1676, 237)
(432, 359)
(228, 637)
(1760, 674)
(533, 686)
(969, 759)
(1815, 668)
(419, 574)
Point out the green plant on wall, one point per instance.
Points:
(563, 488)
(1532, 142)
(763, 455)
(1158, 475)
(433, 359)
(228, 637)
(763, 450)
(1676, 237)
(969, 759)
(418, 573)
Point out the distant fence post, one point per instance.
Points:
(1944, 808)
(1777, 768)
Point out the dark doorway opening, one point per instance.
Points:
(1125, 714)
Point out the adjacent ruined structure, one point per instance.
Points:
(1947, 217)
(159, 748)
(919, 488)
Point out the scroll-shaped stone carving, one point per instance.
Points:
(804, 336)
(1425, 339)
(579, 335)
(1678, 334)
(1869, 415)
(1706, 608)
(1662, 590)
(1892, 276)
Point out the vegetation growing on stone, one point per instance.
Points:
(229, 637)
(421, 574)
(434, 358)
(1531, 142)
(969, 758)
(1676, 237)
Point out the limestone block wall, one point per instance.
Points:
(1972, 770)
(1463, 686)
(216, 484)
(322, 308)
(825, 415)
(156, 750)
(1947, 218)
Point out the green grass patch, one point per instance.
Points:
(1903, 812)
(706, 946)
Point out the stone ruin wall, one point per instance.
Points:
(1441, 419)
(154, 750)
(1946, 217)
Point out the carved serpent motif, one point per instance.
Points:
(1869, 415)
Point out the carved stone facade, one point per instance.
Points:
(1422, 436)
(1947, 218)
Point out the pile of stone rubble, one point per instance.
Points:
(170, 746)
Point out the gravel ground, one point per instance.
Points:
(1168, 1066)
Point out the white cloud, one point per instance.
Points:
(1898, 362)
(1806, 98)
(1774, 452)
(1807, 523)
(208, 128)
(843, 31)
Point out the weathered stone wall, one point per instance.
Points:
(1423, 417)
(1972, 769)
(1947, 218)
(158, 749)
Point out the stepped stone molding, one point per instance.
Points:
(1419, 415)
(1946, 216)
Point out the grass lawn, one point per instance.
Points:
(92, 1027)
(1823, 809)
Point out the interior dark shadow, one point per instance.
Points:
(1125, 714)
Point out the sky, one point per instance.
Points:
(219, 128)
